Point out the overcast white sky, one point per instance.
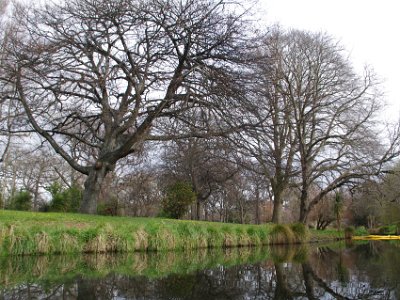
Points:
(368, 29)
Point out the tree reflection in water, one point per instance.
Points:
(362, 271)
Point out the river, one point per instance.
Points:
(362, 270)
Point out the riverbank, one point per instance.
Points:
(29, 233)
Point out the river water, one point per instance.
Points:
(362, 270)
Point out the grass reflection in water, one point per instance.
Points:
(335, 271)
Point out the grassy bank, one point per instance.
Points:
(28, 233)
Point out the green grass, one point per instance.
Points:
(29, 233)
(326, 235)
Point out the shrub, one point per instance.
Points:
(108, 208)
(177, 200)
(64, 199)
(22, 200)
(361, 230)
(349, 231)
(384, 230)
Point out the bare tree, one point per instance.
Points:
(207, 164)
(272, 142)
(94, 77)
(317, 124)
(333, 115)
(5, 106)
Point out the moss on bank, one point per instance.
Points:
(28, 233)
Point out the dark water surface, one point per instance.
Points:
(367, 270)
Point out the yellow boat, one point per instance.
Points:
(377, 237)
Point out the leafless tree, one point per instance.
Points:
(207, 164)
(5, 106)
(272, 142)
(316, 119)
(333, 115)
(95, 77)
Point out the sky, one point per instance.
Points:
(368, 29)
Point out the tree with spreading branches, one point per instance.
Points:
(97, 79)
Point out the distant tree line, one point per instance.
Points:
(187, 109)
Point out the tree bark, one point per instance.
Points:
(198, 208)
(92, 189)
(278, 204)
(303, 207)
(257, 205)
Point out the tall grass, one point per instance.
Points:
(300, 232)
(27, 233)
(281, 234)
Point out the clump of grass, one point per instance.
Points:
(141, 239)
(243, 239)
(66, 243)
(191, 237)
(215, 237)
(281, 234)
(43, 243)
(164, 239)
(300, 232)
(254, 238)
(230, 240)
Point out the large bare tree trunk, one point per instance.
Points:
(303, 206)
(92, 190)
(198, 209)
(277, 212)
(257, 212)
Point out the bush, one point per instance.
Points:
(64, 199)
(109, 208)
(177, 200)
(361, 230)
(22, 200)
(385, 230)
(349, 231)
